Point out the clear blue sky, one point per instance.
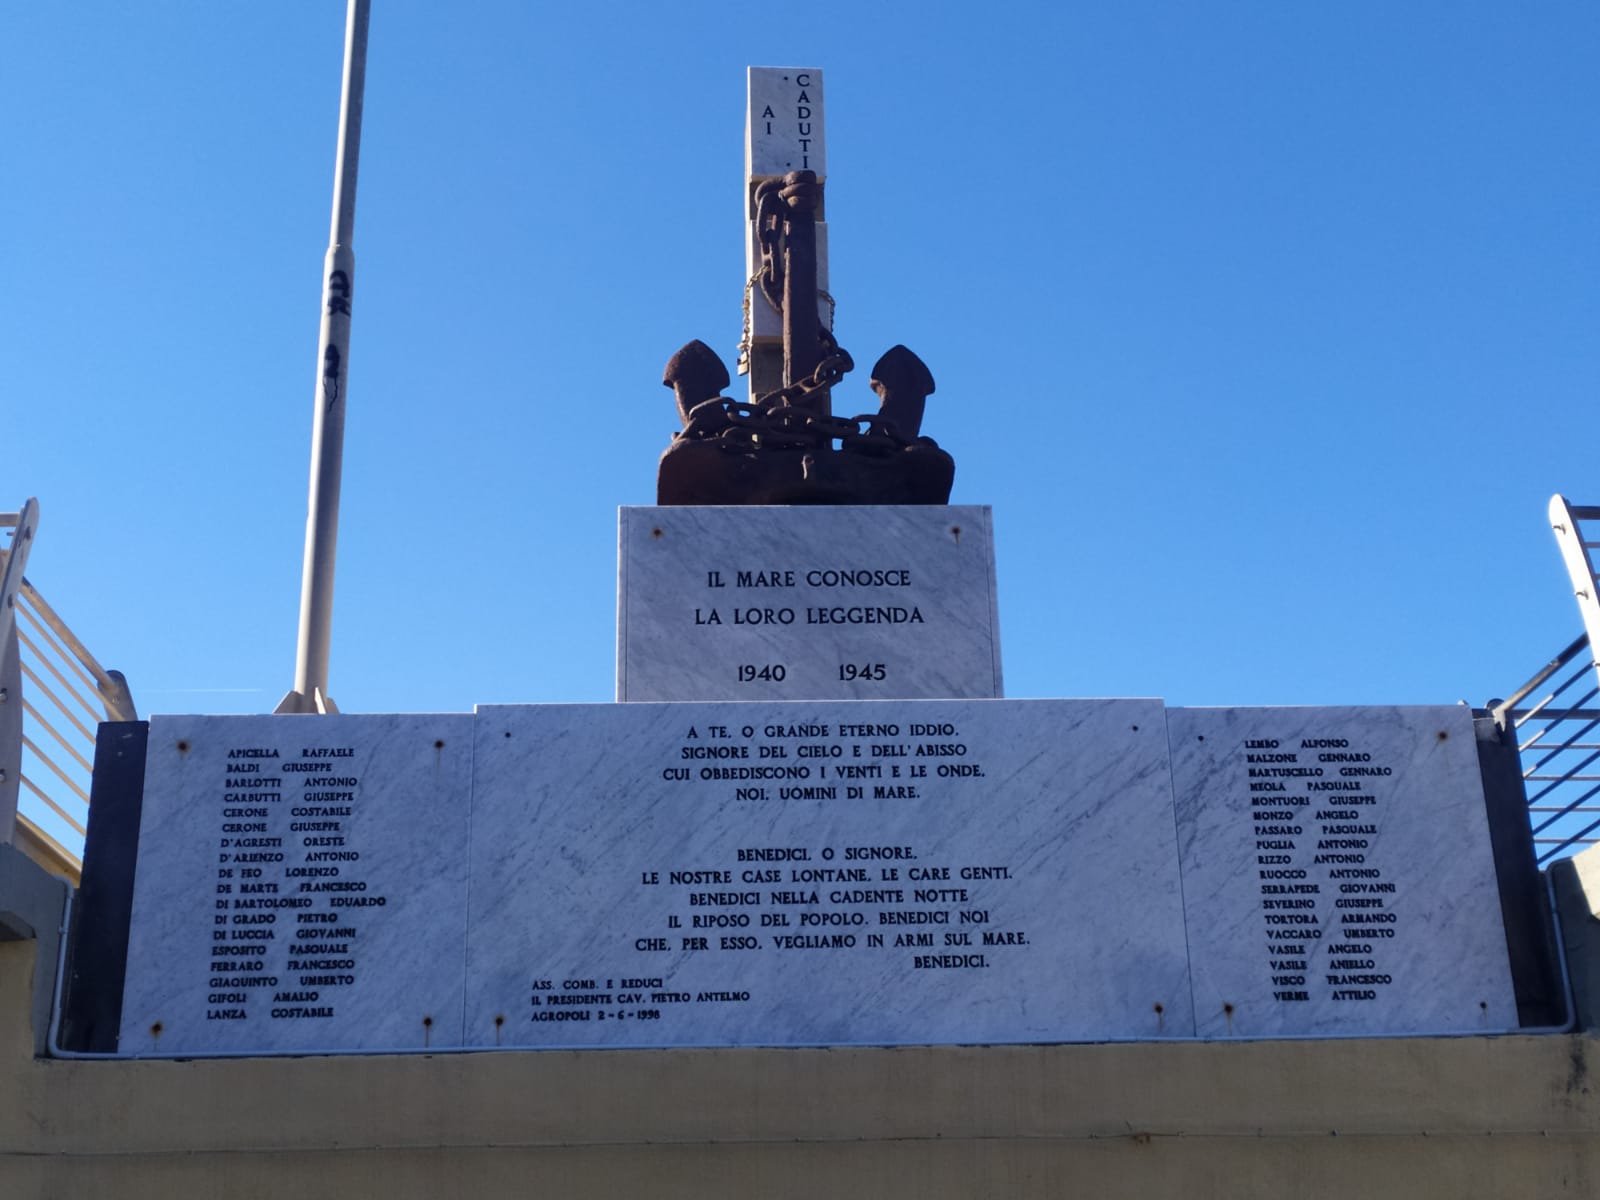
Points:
(1267, 329)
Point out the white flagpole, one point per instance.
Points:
(310, 692)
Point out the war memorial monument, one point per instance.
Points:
(811, 820)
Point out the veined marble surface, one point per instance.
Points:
(784, 122)
(687, 630)
(1337, 873)
(886, 872)
(1039, 864)
(211, 890)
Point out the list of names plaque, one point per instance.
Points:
(1337, 875)
(294, 874)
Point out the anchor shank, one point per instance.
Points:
(802, 340)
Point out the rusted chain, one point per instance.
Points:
(776, 422)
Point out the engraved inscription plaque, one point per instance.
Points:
(810, 874)
(301, 885)
(784, 122)
(853, 602)
(1336, 871)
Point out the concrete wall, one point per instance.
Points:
(1459, 1117)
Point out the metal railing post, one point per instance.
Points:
(25, 523)
(1567, 522)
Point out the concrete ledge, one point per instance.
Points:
(32, 904)
(1414, 1117)
(1373, 1168)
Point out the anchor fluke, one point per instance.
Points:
(903, 383)
(695, 374)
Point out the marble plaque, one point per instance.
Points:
(850, 602)
(301, 885)
(1337, 874)
(783, 123)
(824, 874)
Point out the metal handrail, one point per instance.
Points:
(1554, 739)
(53, 695)
(110, 686)
(1550, 668)
(1554, 715)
